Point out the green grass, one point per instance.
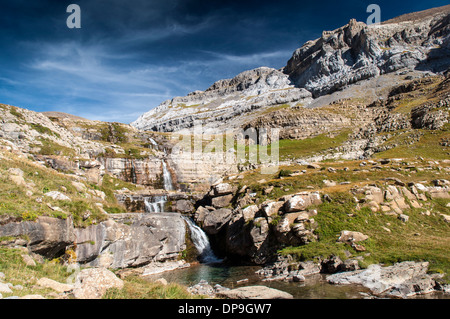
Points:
(49, 147)
(18, 273)
(14, 200)
(422, 238)
(428, 146)
(139, 288)
(310, 146)
(43, 129)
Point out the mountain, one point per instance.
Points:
(418, 43)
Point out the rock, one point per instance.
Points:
(331, 265)
(162, 281)
(268, 190)
(381, 279)
(94, 282)
(351, 237)
(215, 220)
(4, 288)
(308, 268)
(205, 289)
(202, 288)
(160, 267)
(301, 201)
(223, 189)
(52, 284)
(249, 212)
(57, 196)
(438, 192)
(184, 206)
(221, 201)
(200, 214)
(446, 218)
(47, 236)
(404, 218)
(328, 183)
(131, 240)
(2, 276)
(28, 260)
(80, 187)
(255, 292)
(313, 166)
(418, 285)
(271, 208)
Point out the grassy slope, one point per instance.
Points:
(15, 201)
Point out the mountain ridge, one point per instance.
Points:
(338, 59)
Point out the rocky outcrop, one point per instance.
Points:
(94, 282)
(131, 240)
(124, 240)
(356, 52)
(339, 58)
(254, 292)
(254, 232)
(224, 101)
(46, 236)
(400, 280)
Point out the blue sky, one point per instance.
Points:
(129, 56)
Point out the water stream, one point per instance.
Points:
(155, 204)
(167, 178)
(201, 243)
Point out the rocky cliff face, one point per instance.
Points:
(342, 57)
(356, 52)
(224, 101)
(122, 241)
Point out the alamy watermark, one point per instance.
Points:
(375, 17)
(74, 19)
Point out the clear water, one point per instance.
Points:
(315, 286)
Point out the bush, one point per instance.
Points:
(284, 173)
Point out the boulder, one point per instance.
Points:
(351, 237)
(215, 220)
(4, 288)
(271, 208)
(200, 214)
(184, 206)
(52, 284)
(249, 212)
(221, 201)
(47, 236)
(94, 282)
(255, 292)
(57, 196)
(223, 189)
(301, 201)
(131, 240)
(382, 279)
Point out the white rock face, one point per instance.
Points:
(225, 100)
(347, 55)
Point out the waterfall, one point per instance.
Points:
(167, 178)
(155, 204)
(201, 242)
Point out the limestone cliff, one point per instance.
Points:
(339, 58)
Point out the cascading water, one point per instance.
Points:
(201, 242)
(155, 204)
(167, 178)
